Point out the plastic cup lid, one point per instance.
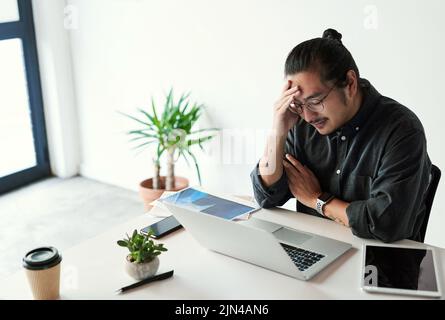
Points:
(42, 258)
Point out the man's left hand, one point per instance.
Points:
(302, 182)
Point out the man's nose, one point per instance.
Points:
(309, 115)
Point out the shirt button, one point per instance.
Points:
(338, 171)
(357, 128)
(343, 138)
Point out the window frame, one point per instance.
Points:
(24, 29)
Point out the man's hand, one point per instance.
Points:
(302, 182)
(270, 167)
(283, 119)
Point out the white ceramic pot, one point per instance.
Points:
(141, 271)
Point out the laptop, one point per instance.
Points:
(295, 253)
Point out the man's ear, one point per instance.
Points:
(351, 85)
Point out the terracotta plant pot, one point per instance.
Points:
(149, 194)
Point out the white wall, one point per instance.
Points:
(231, 55)
(58, 88)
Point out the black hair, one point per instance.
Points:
(326, 55)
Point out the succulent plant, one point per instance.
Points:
(142, 248)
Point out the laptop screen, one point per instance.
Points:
(203, 202)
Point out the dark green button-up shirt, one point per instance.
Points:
(378, 162)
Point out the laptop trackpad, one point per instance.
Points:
(291, 236)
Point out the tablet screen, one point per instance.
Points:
(207, 203)
(400, 268)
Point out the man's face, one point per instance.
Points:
(336, 111)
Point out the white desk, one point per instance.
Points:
(94, 269)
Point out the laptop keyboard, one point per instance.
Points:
(303, 259)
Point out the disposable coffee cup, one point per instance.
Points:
(42, 268)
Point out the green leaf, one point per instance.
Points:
(168, 103)
(196, 165)
(144, 134)
(185, 107)
(199, 140)
(153, 120)
(144, 144)
(151, 129)
(181, 152)
(135, 119)
(139, 138)
(205, 130)
(183, 98)
(159, 151)
(153, 107)
(122, 243)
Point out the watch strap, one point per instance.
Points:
(322, 200)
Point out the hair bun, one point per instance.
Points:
(332, 34)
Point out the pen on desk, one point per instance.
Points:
(161, 276)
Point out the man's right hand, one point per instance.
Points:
(283, 119)
(270, 165)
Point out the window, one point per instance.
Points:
(9, 11)
(23, 143)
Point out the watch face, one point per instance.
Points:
(325, 196)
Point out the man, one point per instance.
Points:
(342, 149)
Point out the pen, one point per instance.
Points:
(161, 276)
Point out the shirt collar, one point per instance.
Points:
(370, 98)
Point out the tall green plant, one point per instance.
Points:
(172, 133)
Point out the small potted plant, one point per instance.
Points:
(142, 261)
(172, 134)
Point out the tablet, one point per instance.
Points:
(204, 202)
(400, 270)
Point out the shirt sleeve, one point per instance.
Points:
(272, 196)
(397, 192)
(278, 193)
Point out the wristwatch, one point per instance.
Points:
(322, 200)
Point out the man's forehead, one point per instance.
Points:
(308, 82)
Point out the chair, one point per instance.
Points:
(431, 191)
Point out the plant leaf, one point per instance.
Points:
(153, 120)
(151, 133)
(143, 144)
(135, 119)
(181, 152)
(122, 243)
(139, 138)
(168, 103)
(205, 130)
(183, 98)
(199, 140)
(196, 165)
(153, 107)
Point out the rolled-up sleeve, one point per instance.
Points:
(272, 196)
(397, 192)
(277, 194)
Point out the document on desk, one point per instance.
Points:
(204, 202)
(157, 203)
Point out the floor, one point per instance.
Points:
(60, 213)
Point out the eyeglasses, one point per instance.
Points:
(314, 105)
